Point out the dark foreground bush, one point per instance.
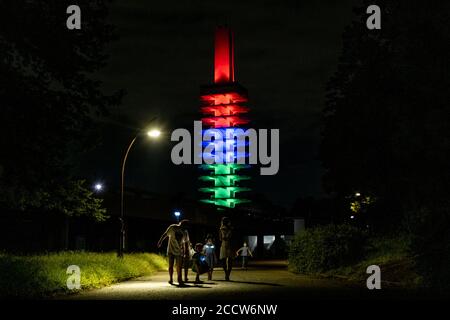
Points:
(41, 275)
(391, 254)
(324, 248)
(430, 245)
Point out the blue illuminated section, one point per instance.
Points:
(228, 142)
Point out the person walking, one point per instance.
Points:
(245, 252)
(226, 253)
(199, 264)
(209, 251)
(177, 248)
(187, 261)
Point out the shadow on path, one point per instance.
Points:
(191, 286)
(194, 285)
(251, 282)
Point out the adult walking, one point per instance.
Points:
(177, 248)
(226, 253)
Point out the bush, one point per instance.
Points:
(430, 245)
(41, 275)
(391, 254)
(324, 248)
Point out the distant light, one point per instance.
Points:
(154, 133)
(352, 217)
(98, 187)
(177, 213)
(357, 194)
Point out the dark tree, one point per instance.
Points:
(387, 126)
(49, 101)
(387, 118)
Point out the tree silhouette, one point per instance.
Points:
(49, 101)
(387, 115)
(387, 126)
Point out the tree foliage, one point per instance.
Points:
(387, 117)
(48, 101)
(387, 126)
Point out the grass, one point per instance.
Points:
(393, 258)
(38, 276)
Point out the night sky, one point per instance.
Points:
(285, 52)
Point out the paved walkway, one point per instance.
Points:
(264, 279)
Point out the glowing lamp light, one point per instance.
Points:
(357, 194)
(352, 217)
(98, 187)
(154, 133)
(177, 214)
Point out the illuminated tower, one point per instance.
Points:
(223, 105)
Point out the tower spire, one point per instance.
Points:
(223, 56)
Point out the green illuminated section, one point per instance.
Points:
(229, 168)
(224, 179)
(224, 192)
(229, 203)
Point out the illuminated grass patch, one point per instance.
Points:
(36, 276)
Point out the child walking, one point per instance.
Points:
(245, 253)
(209, 251)
(199, 265)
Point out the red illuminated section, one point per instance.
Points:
(224, 122)
(223, 56)
(221, 110)
(224, 110)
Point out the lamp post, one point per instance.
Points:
(153, 133)
(177, 214)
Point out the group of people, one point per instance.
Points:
(201, 257)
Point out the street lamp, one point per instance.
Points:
(98, 187)
(177, 214)
(153, 133)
